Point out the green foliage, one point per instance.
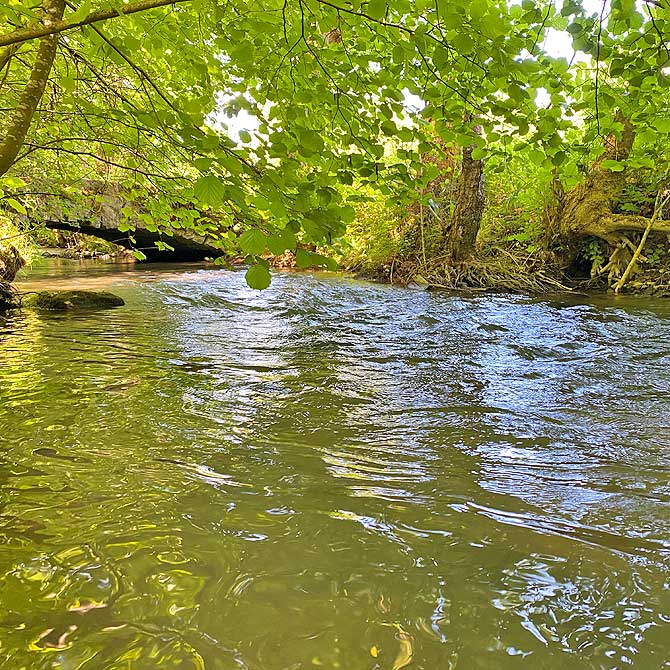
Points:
(658, 255)
(639, 193)
(10, 234)
(145, 100)
(310, 259)
(376, 237)
(517, 194)
(592, 251)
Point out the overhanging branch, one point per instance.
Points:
(42, 30)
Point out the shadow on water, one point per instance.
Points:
(333, 474)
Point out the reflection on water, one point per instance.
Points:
(333, 474)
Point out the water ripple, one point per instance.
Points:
(213, 477)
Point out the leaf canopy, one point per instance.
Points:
(335, 94)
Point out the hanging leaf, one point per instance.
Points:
(258, 277)
(210, 190)
(252, 242)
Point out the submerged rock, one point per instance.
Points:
(69, 300)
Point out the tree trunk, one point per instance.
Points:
(461, 231)
(587, 210)
(10, 263)
(21, 118)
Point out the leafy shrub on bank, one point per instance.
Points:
(377, 237)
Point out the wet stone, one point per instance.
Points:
(71, 300)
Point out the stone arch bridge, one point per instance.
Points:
(101, 217)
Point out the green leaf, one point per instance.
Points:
(280, 241)
(258, 277)
(376, 9)
(252, 242)
(309, 259)
(12, 182)
(330, 264)
(16, 205)
(310, 143)
(463, 43)
(84, 10)
(203, 164)
(441, 58)
(210, 190)
(614, 166)
(139, 255)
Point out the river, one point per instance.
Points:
(332, 474)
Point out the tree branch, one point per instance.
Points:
(59, 26)
(623, 222)
(6, 54)
(127, 168)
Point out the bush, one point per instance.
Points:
(517, 193)
(377, 237)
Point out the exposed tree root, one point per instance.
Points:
(589, 211)
(10, 263)
(499, 270)
(9, 297)
(618, 260)
(661, 201)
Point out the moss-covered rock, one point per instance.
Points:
(70, 300)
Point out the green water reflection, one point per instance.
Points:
(332, 474)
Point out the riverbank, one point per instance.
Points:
(511, 273)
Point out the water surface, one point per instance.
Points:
(332, 474)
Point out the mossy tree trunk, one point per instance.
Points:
(21, 117)
(589, 209)
(461, 230)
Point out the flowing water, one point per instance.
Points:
(332, 474)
